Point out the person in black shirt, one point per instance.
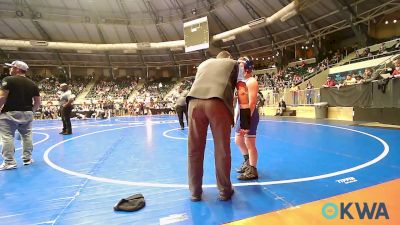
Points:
(16, 95)
(181, 107)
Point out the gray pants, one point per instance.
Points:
(9, 123)
(202, 113)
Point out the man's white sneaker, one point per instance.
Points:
(4, 166)
(27, 162)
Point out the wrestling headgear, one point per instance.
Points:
(248, 64)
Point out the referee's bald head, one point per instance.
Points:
(224, 55)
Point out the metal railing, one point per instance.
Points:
(293, 98)
(381, 68)
(375, 56)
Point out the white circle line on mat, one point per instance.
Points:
(36, 143)
(162, 185)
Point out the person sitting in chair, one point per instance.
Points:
(281, 108)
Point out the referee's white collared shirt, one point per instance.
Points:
(66, 96)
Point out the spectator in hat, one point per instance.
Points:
(19, 98)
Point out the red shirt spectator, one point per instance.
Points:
(396, 71)
(329, 82)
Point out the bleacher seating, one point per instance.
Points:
(50, 86)
(116, 89)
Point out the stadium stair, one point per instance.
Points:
(81, 97)
(135, 91)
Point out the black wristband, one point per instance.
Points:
(245, 119)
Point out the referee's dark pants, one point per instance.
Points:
(66, 119)
(213, 112)
(180, 110)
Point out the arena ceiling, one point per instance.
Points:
(135, 21)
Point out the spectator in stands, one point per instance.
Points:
(275, 93)
(357, 54)
(397, 45)
(323, 65)
(382, 49)
(311, 70)
(367, 77)
(294, 90)
(396, 70)
(350, 80)
(48, 113)
(391, 68)
(309, 92)
(374, 76)
(359, 79)
(281, 108)
(335, 59)
(367, 52)
(329, 82)
(297, 79)
(267, 99)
